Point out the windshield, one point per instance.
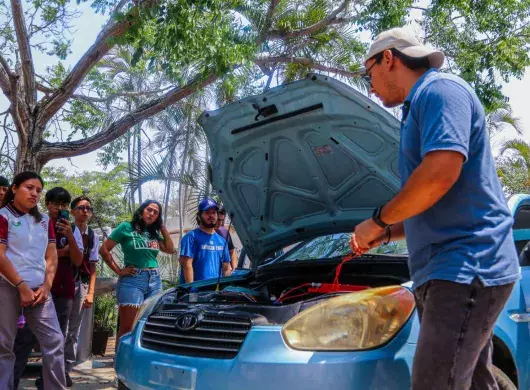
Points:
(336, 245)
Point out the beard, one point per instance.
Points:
(206, 224)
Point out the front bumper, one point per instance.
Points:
(266, 362)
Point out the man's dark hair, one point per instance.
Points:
(58, 194)
(17, 182)
(222, 211)
(411, 63)
(138, 222)
(76, 201)
(4, 182)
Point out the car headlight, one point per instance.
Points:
(356, 321)
(146, 308)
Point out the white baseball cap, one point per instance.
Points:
(405, 41)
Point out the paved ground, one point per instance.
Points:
(96, 374)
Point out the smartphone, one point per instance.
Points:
(64, 214)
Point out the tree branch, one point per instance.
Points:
(5, 85)
(308, 62)
(268, 22)
(100, 48)
(28, 69)
(122, 125)
(105, 99)
(330, 19)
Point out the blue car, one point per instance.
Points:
(302, 164)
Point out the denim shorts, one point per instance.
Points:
(132, 290)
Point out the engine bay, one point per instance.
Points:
(276, 296)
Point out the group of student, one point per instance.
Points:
(48, 274)
(47, 278)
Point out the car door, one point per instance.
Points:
(521, 316)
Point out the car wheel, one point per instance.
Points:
(502, 379)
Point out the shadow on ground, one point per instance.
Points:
(95, 374)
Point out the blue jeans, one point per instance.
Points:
(134, 289)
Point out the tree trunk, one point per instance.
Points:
(206, 166)
(139, 151)
(130, 169)
(181, 203)
(167, 191)
(27, 159)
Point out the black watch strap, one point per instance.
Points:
(376, 217)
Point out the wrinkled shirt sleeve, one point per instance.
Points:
(187, 246)
(445, 114)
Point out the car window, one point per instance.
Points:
(337, 245)
(521, 233)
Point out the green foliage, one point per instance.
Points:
(179, 34)
(486, 41)
(105, 312)
(106, 191)
(513, 166)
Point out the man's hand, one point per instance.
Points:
(89, 300)
(65, 228)
(366, 236)
(27, 296)
(41, 294)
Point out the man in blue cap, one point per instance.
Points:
(203, 252)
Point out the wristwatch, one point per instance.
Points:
(376, 217)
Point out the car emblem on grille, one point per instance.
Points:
(187, 322)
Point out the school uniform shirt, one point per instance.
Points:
(90, 252)
(26, 242)
(208, 251)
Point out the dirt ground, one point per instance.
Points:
(95, 374)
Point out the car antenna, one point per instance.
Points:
(221, 260)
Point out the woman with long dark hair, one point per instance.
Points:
(140, 239)
(28, 261)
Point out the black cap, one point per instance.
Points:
(4, 182)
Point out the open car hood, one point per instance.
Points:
(308, 158)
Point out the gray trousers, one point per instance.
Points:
(25, 340)
(455, 342)
(74, 323)
(42, 320)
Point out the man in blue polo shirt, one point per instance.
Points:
(203, 252)
(451, 209)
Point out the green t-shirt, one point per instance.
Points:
(139, 249)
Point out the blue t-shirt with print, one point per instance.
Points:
(207, 252)
(467, 233)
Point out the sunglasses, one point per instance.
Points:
(84, 208)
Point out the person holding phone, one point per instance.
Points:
(69, 246)
(28, 261)
(140, 241)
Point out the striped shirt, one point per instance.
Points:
(26, 242)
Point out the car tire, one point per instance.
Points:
(503, 381)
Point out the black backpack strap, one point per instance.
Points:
(90, 241)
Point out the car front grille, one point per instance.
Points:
(216, 335)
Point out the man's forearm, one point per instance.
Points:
(76, 255)
(188, 273)
(51, 267)
(233, 259)
(226, 269)
(93, 276)
(429, 182)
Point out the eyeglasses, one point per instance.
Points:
(367, 75)
(60, 206)
(84, 208)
